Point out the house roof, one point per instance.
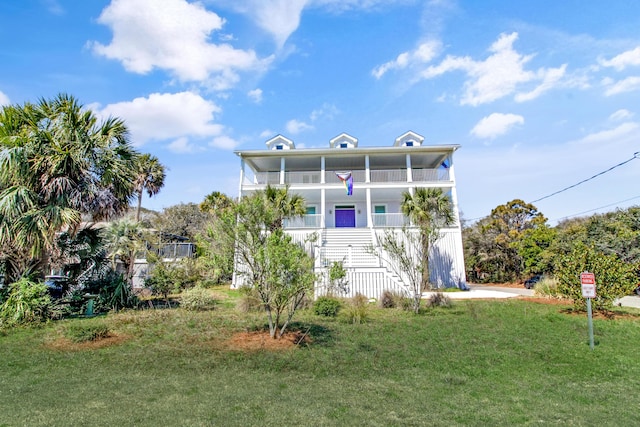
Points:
(308, 159)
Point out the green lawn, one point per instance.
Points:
(478, 363)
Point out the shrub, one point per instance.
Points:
(358, 309)
(614, 278)
(393, 299)
(250, 300)
(338, 283)
(547, 287)
(439, 299)
(114, 293)
(84, 332)
(327, 306)
(197, 298)
(28, 302)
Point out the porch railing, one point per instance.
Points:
(389, 220)
(359, 176)
(307, 221)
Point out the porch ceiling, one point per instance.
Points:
(347, 159)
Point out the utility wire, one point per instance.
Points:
(598, 208)
(635, 156)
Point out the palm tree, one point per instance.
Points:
(215, 202)
(150, 178)
(286, 205)
(56, 164)
(122, 239)
(430, 210)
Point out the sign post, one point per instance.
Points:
(588, 283)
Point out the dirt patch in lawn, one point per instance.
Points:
(260, 340)
(548, 301)
(65, 344)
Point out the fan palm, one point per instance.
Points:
(149, 177)
(57, 162)
(285, 204)
(430, 210)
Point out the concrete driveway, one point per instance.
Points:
(499, 292)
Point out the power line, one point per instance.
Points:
(635, 156)
(598, 208)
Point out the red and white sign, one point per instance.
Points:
(588, 282)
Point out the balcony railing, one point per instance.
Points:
(359, 176)
(389, 220)
(307, 221)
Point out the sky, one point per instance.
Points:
(540, 95)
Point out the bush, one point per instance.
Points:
(547, 287)
(84, 332)
(614, 278)
(358, 309)
(439, 299)
(197, 298)
(393, 299)
(28, 302)
(114, 293)
(327, 306)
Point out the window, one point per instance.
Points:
(279, 147)
(344, 145)
(310, 220)
(409, 143)
(379, 219)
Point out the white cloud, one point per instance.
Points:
(172, 35)
(225, 142)
(182, 145)
(499, 75)
(620, 115)
(620, 62)
(602, 138)
(166, 116)
(327, 111)
(629, 84)
(4, 99)
(421, 55)
(496, 124)
(278, 17)
(294, 127)
(267, 133)
(255, 95)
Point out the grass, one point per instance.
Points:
(478, 363)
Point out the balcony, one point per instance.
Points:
(359, 176)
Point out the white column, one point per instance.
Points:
(281, 170)
(323, 208)
(241, 178)
(454, 194)
(409, 173)
(322, 171)
(367, 171)
(369, 217)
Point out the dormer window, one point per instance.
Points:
(343, 141)
(344, 145)
(409, 139)
(279, 142)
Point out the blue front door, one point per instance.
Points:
(345, 218)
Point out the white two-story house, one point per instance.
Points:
(347, 223)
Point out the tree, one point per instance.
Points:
(284, 204)
(403, 252)
(184, 219)
(270, 263)
(57, 163)
(430, 210)
(494, 247)
(215, 202)
(123, 238)
(150, 176)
